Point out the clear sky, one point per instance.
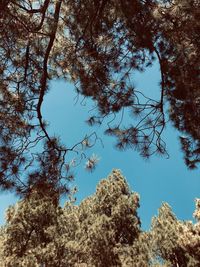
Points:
(156, 180)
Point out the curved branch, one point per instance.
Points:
(43, 10)
(45, 67)
(162, 79)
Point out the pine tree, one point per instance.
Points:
(104, 230)
(189, 239)
(171, 239)
(97, 45)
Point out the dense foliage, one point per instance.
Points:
(103, 230)
(97, 45)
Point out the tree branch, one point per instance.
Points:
(45, 67)
(43, 10)
(162, 78)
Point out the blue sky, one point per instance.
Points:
(156, 180)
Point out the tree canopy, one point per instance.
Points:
(103, 230)
(97, 45)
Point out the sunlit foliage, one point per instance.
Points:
(103, 230)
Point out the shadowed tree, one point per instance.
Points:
(97, 45)
(179, 26)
